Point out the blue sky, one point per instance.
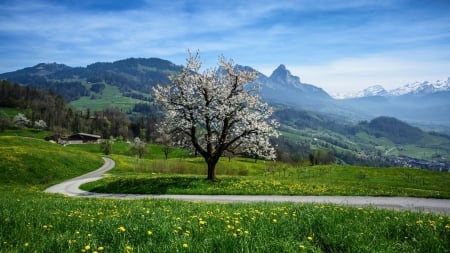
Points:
(341, 46)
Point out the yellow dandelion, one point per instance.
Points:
(301, 246)
(87, 247)
(121, 229)
(101, 248)
(149, 232)
(274, 221)
(310, 238)
(128, 248)
(185, 245)
(26, 244)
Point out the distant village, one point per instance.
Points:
(409, 162)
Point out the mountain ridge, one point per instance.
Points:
(415, 88)
(135, 77)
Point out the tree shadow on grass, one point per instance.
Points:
(160, 185)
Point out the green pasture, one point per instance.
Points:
(33, 221)
(111, 95)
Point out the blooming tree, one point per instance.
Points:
(40, 124)
(21, 120)
(216, 111)
(138, 147)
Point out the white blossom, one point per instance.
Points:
(21, 120)
(217, 110)
(40, 124)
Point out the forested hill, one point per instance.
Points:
(132, 76)
(393, 129)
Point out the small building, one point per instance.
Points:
(80, 138)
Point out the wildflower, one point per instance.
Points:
(419, 222)
(310, 238)
(26, 244)
(301, 246)
(149, 232)
(101, 248)
(87, 247)
(128, 248)
(274, 221)
(185, 245)
(121, 229)
(202, 222)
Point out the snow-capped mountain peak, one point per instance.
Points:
(416, 88)
(375, 90)
(422, 88)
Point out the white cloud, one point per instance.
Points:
(354, 74)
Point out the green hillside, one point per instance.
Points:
(29, 161)
(109, 96)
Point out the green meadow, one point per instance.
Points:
(33, 221)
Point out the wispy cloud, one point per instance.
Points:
(337, 39)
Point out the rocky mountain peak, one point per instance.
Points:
(283, 75)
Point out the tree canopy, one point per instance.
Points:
(218, 110)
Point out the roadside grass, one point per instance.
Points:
(38, 222)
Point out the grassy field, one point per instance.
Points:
(164, 177)
(38, 222)
(33, 221)
(182, 174)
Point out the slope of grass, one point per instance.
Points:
(30, 161)
(110, 96)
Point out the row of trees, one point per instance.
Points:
(38, 107)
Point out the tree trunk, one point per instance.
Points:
(212, 170)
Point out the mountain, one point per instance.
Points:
(416, 88)
(130, 81)
(283, 87)
(131, 76)
(421, 88)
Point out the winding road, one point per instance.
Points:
(71, 188)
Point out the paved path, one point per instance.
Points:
(71, 188)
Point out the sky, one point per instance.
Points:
(340, 46)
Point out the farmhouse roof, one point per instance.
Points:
(86, 135)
